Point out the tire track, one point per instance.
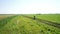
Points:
(45, 22)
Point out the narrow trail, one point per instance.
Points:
(45, 22)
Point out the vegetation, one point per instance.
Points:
(49, 17)
(18, 24)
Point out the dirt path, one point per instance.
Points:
(46, 22)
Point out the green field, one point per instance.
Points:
(48, 17)
(18, 24)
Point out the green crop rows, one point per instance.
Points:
(22, 25)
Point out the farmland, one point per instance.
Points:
(48, 17)
(18, 24)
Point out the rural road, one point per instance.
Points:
(45, 22)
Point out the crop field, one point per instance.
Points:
(2, 16)
(28, 24)
(49, 17)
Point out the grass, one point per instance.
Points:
(3, 16)
(49, 17)
(22, 25)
